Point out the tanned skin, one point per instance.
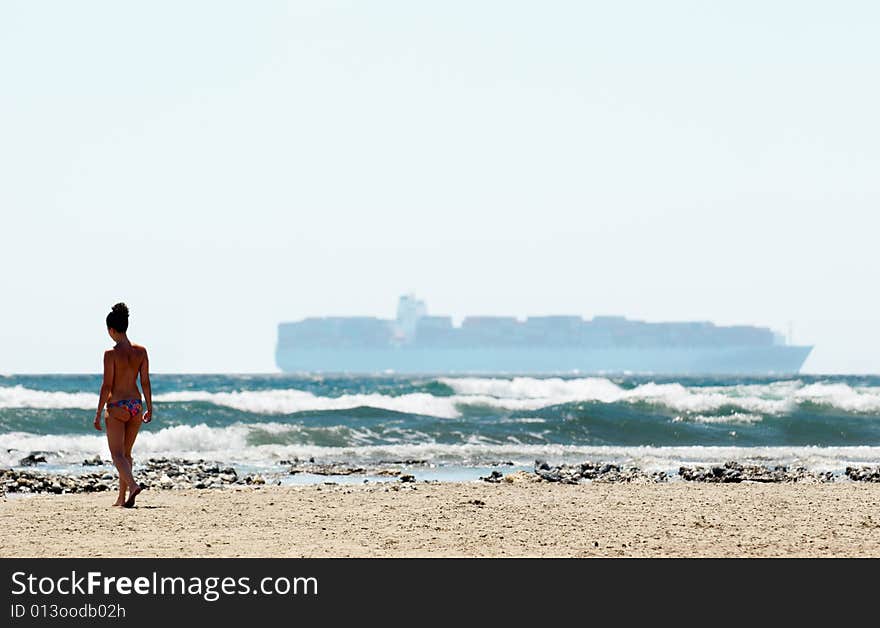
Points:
(122, 366)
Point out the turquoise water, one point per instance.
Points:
(824, 423)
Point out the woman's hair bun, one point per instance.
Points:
(120, 308)
(118, 317)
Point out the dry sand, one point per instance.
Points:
(523, 518)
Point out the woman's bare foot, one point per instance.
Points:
(118, 503)
(129, 503)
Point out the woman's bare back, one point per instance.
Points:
(128, 362)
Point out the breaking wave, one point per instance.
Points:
(520, 393)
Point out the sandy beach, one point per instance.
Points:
(522, 518)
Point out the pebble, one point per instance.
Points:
(734, 472)
(594, 471)
(332, 468)
(340, 468)
(163, 473)
(494, 477)
(730, 472)
(863, 474)
(31, 460)
(12, 481)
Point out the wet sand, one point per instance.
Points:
(524, 518)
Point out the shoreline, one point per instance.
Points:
(182, 474)
(521, 517)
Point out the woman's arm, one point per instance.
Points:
(106, 387)
(145, 384)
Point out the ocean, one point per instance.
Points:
(459, 426)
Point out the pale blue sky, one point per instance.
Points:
(223, 166)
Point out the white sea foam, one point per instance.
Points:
(516, 394)
(287, 401)
(735, 418)
(771, 398)
(594, 388)
(540, 392)
(21, 397)
(841, 396)
(278, 401)
(196, 440)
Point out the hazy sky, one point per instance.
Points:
(223, 166)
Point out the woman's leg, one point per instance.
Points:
(131, 431)
(120, 498)
(116, 442)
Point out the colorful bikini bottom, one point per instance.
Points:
(132, 405)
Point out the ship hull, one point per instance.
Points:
(769, 360)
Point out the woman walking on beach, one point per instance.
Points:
(125, 410)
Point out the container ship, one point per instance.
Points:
(418, 343)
